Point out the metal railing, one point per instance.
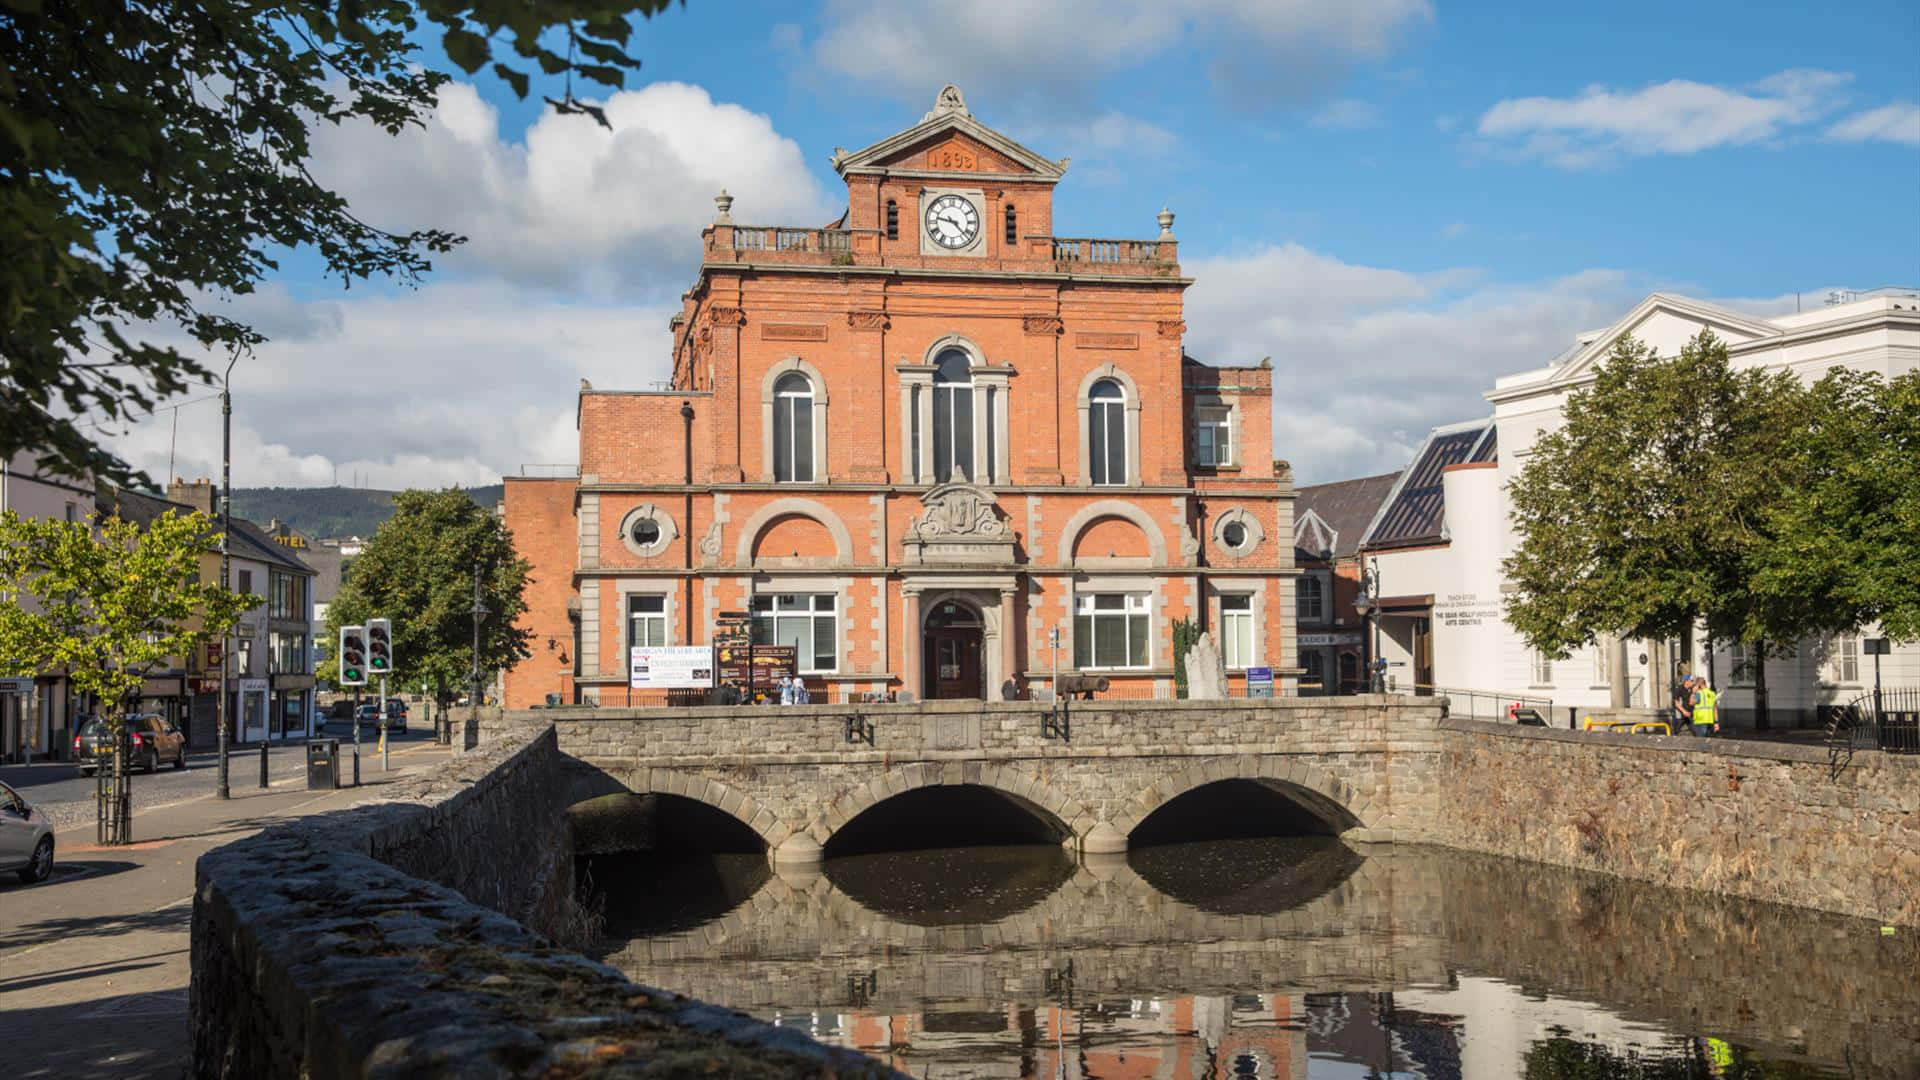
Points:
(1886, 720)
(1486, 704)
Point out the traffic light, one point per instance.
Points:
(353, 656)
(380, 646)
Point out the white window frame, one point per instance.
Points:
(633, 620)
(1239, 631)
(1225, 442)
(1843, 659)
(1134, 604)
(1542, 665)
(1739, 664)
(1602, 663)
(1112, 415)
(966, 471)
(769, 607)
(817, 383)
(1130, 397)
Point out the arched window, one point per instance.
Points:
(952, 417)
(893, 220)
(793, 429)
(1013, 231)
(1107, 432)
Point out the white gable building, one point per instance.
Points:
(1441, 536)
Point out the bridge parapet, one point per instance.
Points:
(797, 774)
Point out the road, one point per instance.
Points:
(68, 798)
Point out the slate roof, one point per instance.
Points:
(1344, 507)
(1415, 512)
(249, 540)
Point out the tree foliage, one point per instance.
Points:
(418, 571)
(108, 601)
(154, 157)
(1847, 529)
(1680, 492)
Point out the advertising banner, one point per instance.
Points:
(1259, 682)
(671, 667)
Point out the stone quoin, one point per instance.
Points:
(912, 442)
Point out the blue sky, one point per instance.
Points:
(1396, 200)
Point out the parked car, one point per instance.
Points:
(151, 741)
(26, 838)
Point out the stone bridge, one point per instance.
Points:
(1362, 766)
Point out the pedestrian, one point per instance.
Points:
(1681, 694)
(1706, 708)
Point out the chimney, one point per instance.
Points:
(197, 493)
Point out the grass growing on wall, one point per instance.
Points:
(1185, 633)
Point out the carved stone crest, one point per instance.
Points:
(867, 320)
(728, 316)
(710, 544)
(961, 525)
(1171, 327)
(1042, 324)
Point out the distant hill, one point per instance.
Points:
(327, 512)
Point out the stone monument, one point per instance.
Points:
(1206, 674)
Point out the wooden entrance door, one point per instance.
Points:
(953, 662)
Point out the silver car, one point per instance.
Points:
(26, 838)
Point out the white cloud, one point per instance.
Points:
(1674, 117)
(1346, 115)
(1280, 46)
(1367, 359)
(575, 205)
(1899, 122)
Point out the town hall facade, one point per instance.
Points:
(914, 443)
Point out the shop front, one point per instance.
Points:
(1332, 662)
(292, 705)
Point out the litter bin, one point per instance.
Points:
(323, 764)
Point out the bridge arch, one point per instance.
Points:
(1319, 792)
(1057, 812)
(714, 794)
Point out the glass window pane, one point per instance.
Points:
(1110, 601)
(763, 630)
(823, 602)
(963, 434)
(954, 366)
(649, 603)
(1082, 641)
(797, 633)
(1116, 445)
(1245, 638)
(913, 430)
(802, 439)
(783, 439)
(1109, 640)
(1236, 602)
(792, 602)
(942, 435)
(992, 438)
(1137, 640)
(825, 656)
(1204, 439)
(1097, 443)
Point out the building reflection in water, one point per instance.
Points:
(1294, 958)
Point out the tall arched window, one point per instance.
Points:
(793, 429)
(1107, 432)
(893, 220)
(952, 417)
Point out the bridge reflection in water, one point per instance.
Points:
(1270, 956)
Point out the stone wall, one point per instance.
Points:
(313, 957)
(1363, 764)
(1761, 820)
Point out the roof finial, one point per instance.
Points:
(948, 101)
(723, 203)
(1165, 218)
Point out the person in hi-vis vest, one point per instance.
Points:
(1706, 708)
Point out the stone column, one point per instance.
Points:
(1009, 631)
(911, 644)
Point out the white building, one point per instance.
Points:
(36, 708)
(1441, 535)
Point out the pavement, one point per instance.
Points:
(94, 962)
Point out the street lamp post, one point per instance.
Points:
(226, 574)
(479, 613)
(1367, 603)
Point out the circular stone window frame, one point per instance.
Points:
(648, 512)
(1248, 522)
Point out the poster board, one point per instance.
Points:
(1259, 682)
(670, 667)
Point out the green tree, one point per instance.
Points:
(1641, 515)
(1847, 529)
(418, 571)
(110, 603)
(154, 157)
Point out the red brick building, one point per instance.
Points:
(911, 444)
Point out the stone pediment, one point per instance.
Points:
(960, 525)
(949, 141)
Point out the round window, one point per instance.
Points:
(1235, 534)
(646, 532)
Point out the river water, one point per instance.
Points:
(1267, 957)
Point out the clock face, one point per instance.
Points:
(952, 222)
